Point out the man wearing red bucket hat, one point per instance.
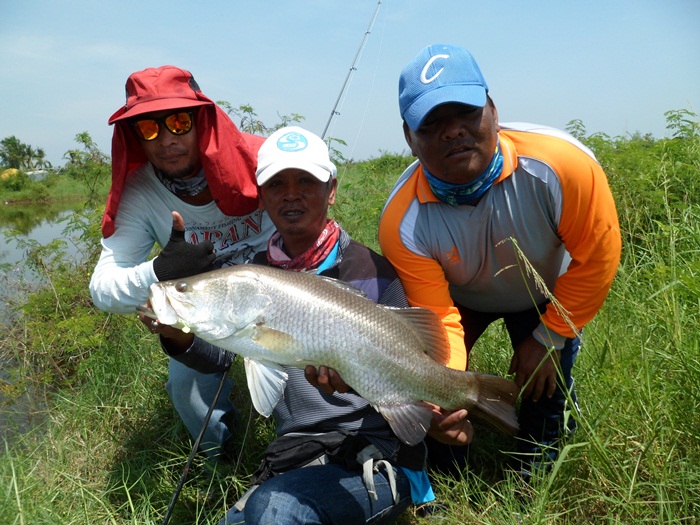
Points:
(183, 176)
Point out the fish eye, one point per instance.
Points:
(181, 286)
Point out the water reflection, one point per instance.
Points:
(26, 218)
(24, 223)
(32, 223)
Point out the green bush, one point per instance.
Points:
(18, 181)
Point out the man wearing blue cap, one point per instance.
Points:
(495, 221)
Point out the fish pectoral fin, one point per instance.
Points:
(266, 383)
(275, 340)
(410, 422)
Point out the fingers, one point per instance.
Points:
(453, 419)
(152, 324)
(326, 379)
(337, 382)
(552, 387)
(451, 428)
(514, 365)
(311, 375)
(167, 331)
(177, 234)
(542, 382)
(178, 222)
(319, 378)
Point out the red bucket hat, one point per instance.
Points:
(229, 157)
(157, 89)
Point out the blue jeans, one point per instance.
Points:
(323, 494)
(192, 393)
(543, 423)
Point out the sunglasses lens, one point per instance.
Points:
(146, 129)
(179, 123)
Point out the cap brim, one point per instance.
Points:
(470, 94)
(273, 169)
(153, 106)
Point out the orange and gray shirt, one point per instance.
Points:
(551, 206)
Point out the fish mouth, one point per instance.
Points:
(161, 306)
(146, 311)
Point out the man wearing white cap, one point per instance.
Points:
(312, 472)
(482, 198)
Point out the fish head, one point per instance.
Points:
(212, 305)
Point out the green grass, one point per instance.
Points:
(106, 447)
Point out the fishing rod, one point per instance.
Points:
(352, 68)
(195, 447)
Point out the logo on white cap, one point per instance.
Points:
(292, 141)
(423, 73)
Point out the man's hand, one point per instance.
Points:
(450, 427)
(326, 378)
(175, 340)
(180, 258)
(526, 360)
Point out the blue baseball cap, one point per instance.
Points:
(439, 74)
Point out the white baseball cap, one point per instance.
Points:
(294, 147)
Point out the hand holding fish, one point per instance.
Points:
(535, 368)
(175, 339)
(326, 379)
(451, 427)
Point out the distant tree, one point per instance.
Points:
(682, 123)
(15, 154)
(39, 160)
(90, 154)
(576, 129)
(88, 164)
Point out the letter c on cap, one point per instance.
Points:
(426, 80)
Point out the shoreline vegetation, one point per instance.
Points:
(104, 445)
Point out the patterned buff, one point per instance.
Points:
(311, 258)
(456, 194)
(184, 187)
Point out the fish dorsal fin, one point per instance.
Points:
(266, 383)
(428, 327)
(342, 285)
(410, 422)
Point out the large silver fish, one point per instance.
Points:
(393, 357)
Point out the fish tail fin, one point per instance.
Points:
(495, 406)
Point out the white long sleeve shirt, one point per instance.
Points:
(123, 273)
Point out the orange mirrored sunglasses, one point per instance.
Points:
(177, 123)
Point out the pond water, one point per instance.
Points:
(42, 224)
(20, 225)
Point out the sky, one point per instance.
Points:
(616, 65)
